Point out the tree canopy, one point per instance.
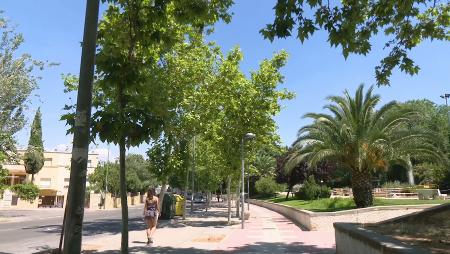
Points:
(362, 139)
(34, 156)
(353, 24)
(17, 82)
(132, 37)
(139, 178)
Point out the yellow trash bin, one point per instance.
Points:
(179, 205)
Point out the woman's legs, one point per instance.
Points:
(152, 227)
(148, 222)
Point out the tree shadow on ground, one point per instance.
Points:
(102, 226)
(114, 226)
(215, 224)
(259, 247)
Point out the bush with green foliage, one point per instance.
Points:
(311, 190)
(266, 186)
(27, 191)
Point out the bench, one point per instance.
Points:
(431, 194)
(407, 195)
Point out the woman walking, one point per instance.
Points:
(151, 213)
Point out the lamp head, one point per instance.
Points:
(249, 136)
(447, 95)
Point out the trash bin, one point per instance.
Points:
(179, 205)
(168, 207)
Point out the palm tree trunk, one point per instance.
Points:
(362, 188)
(409, 171)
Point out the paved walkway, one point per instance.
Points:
(207, 232)
(270, 232)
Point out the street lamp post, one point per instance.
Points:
(106, 175)
(248, 191)
(246, 136)
(446, 96)
(106, 179)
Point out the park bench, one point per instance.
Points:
(407, 195)
(341, 192)
(431, 194)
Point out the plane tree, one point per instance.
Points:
(352, 25)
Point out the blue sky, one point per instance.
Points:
(53, 32)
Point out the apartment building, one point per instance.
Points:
(52, 180)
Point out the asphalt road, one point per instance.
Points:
(39, 229)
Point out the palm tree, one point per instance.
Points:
(360, 138)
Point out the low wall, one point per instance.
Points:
(353, 239)
(24, 204)
(112, 202)
(323, 221)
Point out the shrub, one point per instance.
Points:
(311, 190)
(325, 192)
(3, 175)
(266, 187)
(27, 191)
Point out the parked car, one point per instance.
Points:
(199, 198)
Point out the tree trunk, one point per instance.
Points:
(237, 200)
(123, 196)
(193, 175)
(61, 237)
(289, 190)
(185, 193)
(81, 136)
(229, 198)
(32, 178)
(208, 198)
(362, 188)
(162, 193)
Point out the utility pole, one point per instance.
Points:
(81, 136)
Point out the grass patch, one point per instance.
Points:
(340, 204)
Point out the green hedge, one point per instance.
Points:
(267, 187)
(27, 191)
(311, 190)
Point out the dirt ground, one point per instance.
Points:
(431, 232)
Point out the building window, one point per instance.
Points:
(89, 164)
(48, 161)
(66, 183)
(45, 182)
(22, 179)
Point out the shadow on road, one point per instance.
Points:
(113, 226)
(101, 226)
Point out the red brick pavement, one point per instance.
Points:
(270, 232)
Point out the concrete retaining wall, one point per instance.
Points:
(323, 221)
(353, 239)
